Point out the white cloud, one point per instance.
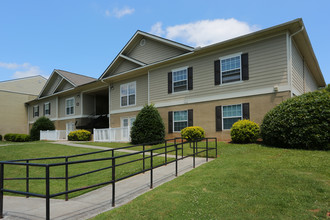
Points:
(205, 32)
(118, 13)
(22, 70)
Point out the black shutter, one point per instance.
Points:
(169, 79)
(44, 110)
(217, 80)
(246, 111)
(49, 109)
(190, 78)
(218, 118)
(38, 111)
(170, 122)
(245, 66)
(190, 118)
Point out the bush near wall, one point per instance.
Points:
(17, 137)
(79, 135)
(193, 133)
(301, 122)
(245, 131)
(148, 126)
(0, 137)
(41, 124)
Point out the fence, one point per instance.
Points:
(121, 134)
(53, 135)
(169, 146)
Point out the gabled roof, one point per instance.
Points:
(126, 54)
(61, 80)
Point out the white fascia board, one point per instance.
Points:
(132, 60)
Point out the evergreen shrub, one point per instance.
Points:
(193, 133)
(245, 131)
(79, 135)
(41, 124)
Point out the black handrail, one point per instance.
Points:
(147, 154)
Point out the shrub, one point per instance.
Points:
(300, 122)
(79, 135)
(245, 131)
(17, 137)
(0, 137)
(42, 124)
(148, 126)
(193, 133)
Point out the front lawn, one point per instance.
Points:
(245, 182)
(46, 149)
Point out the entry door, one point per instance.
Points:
(126, 124)
(69, 127)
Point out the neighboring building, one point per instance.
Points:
(13, 96)
(211, 86)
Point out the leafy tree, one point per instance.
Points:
(148, 126)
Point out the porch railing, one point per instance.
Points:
(121, 134)
(53, 135)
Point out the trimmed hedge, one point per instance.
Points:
(41, 124)
(79, 135)
(17, 137)
(245, 131)
(301, 122)
(193, 133)
(148, 126)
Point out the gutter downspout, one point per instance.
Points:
(290, 54)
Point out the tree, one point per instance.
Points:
(42, 124)
(148, 126)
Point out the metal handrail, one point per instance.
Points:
(152, 153)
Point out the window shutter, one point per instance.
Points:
(38, 111)
(170, 122)
(190, 118)
(246, 111)
(217, 80)
(245, 66)
(44, 109)
(169, 79)
(190, 78)
(218, 118)
(49, 108)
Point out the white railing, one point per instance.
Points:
(53, 135)
(121, 134)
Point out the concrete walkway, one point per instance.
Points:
(97, 201)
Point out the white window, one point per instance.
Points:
(230, 115)
(69, 106)
(230, 69)
(36, 111)
(180, 80)
(47, 108)
(127, 94)
(180, 120)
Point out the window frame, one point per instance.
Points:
(240, 63)
(177, 70)
(34, 112)
(47, 103)
(127, 86)
(174, 131)
(66, 106)
(223, 117)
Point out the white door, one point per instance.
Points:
(126, 124)
(69, 127)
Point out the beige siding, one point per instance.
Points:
(310, 83)
(29, 85)
(267, 67)
(13, 113)
(297, 71)
(153, 51)
(124, 66)
(52, 115)
(64, 86)
(141, 92)
(51, 86)
(77, 109)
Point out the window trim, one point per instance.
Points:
(129, 120)
(176, 70)
(74, 109)
(127, 84)
(222, 112)
(174, 131)
(227, 57)
(36, 106)
(46, 103)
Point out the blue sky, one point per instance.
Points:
(85, 36)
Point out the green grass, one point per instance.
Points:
(45, 149)
(245, 182)
(187, 148)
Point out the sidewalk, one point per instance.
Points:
(97, 201)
